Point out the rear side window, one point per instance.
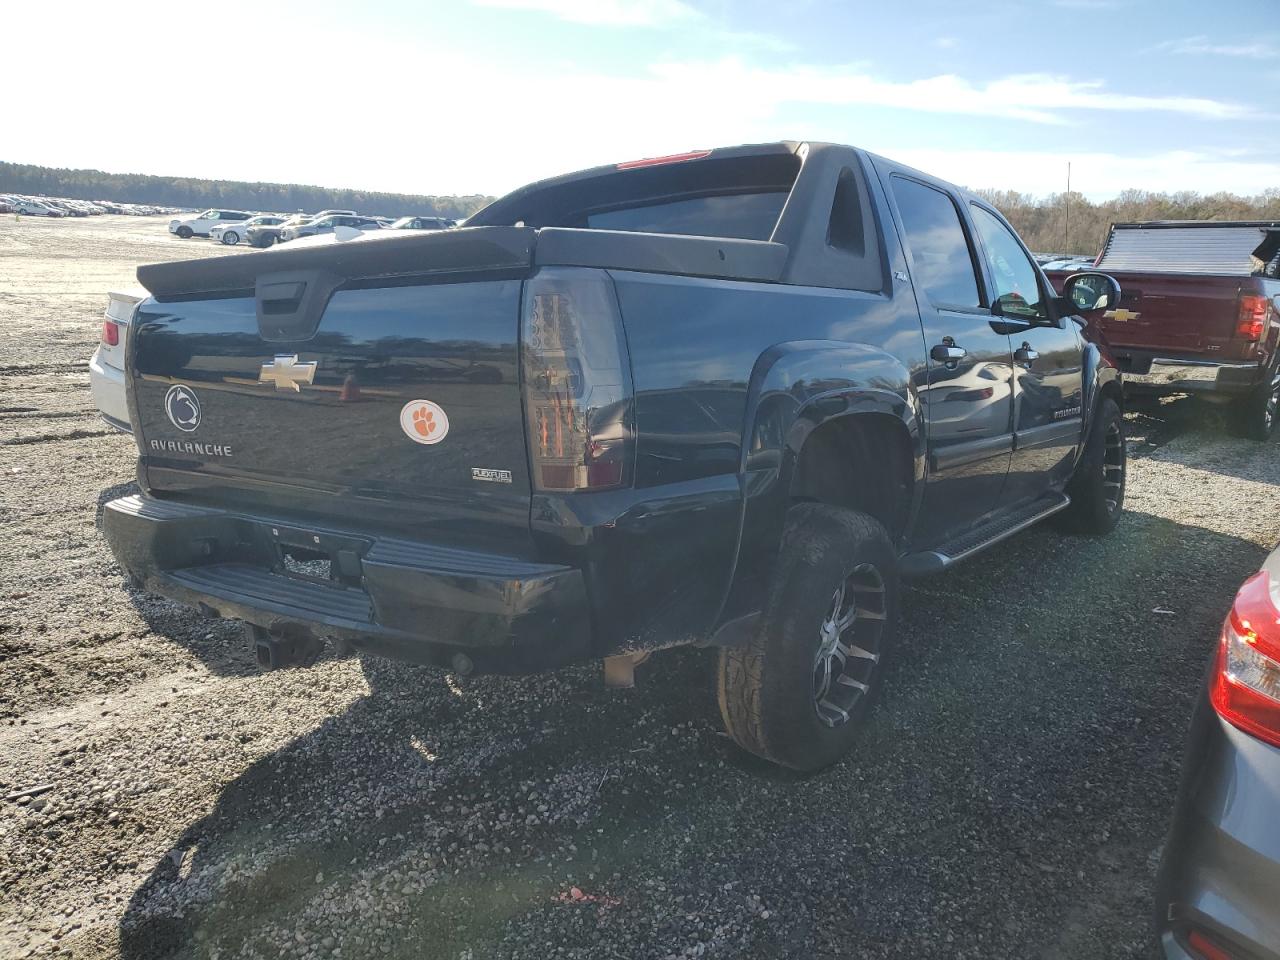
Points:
(749, 216)
(942, 263)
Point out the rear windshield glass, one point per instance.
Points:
(749, 216)
(738, 196)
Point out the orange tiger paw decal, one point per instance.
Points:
(424, 421)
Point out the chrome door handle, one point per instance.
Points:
(1025, 355)
(948, 353)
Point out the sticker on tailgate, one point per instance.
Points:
(424, 421)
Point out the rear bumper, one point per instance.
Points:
(1155, 374)
(404, 599)
(1221, 866)
(106, 383)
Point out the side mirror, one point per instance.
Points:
(1091, 291)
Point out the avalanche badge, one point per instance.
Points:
(423, 421)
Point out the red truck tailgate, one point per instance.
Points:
(1181, 314)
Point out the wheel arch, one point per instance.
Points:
(815, 407)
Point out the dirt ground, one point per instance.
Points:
(1008, 799)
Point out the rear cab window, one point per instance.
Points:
(748, 216)
(739, 197)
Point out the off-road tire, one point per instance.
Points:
(1255, 416)
(185, 233)
(766, 688)
(1096, 500)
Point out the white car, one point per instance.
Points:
(106, 366)
(34, 208)
(327, 224)
(201, 224)
(233, 233)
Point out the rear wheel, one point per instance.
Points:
(185, 233)
(798, 691)
(1097, 488)
(1255, 415)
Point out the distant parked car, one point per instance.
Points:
(106, 366)
(1068, 264)
(423, 223)
(266, 235)
(327, 225)
(233, 233)
(201, 224)
(72, 207)
(1218, 888)
(38, 208)
(330, 213)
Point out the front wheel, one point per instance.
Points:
(1097, 488)
(798, 692)
(185, 233)
(230, 238)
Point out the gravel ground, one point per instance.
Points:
(1008, 799)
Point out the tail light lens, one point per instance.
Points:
(110, 333)
(1246, 682)
(1252, 318)
(1204, 948)
(577, 382)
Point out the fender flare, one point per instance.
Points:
(1099, 372)
(795, 388)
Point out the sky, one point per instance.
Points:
(481, 96)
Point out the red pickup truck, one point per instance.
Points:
(1200, 312)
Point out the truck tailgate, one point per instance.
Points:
(1181, 314)
(398, 400)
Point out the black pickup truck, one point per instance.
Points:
(725, 398)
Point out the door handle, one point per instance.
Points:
(948, 353)
(1025, 355)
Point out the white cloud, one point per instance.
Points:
(616, 13)
(470, 134)
(1257, 50)
(946, 43)
(1039, 98)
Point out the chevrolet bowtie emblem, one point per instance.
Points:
(286, 372)
(1121, 314)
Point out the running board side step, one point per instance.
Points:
(991, 531)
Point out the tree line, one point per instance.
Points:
(1058, 223)
(30, 180)
(1051, 225)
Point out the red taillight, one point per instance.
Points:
(577, 381)
(1246, 679)
(1205, 948)
(669, 158)
(1251, 322)
(110, 333)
